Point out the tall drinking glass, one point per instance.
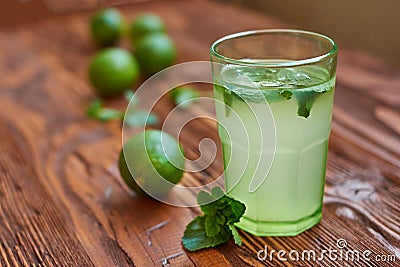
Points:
(276, 88)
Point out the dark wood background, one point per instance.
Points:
(62, 202)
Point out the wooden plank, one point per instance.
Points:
(44, 94)
(32, 226)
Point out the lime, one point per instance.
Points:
(155, 52)
(107, 26)
(113, 70)
(155, 161)
(145, 24)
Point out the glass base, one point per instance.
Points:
(286, 228)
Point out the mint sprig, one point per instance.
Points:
(216, 226)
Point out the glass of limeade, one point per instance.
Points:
(274, 91)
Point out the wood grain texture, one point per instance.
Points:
(62, 202)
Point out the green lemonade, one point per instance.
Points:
(290, 158)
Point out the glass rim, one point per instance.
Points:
(289, 63)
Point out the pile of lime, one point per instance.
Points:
(151, 162)
(114, 70)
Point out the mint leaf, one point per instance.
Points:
(207, 202)
(217, 192)
(137, 117)
(183, 96)
(106, 114)
(94, 108)
(305, 101)
(237, 208)
(220, 219)
(211, 225)
(96, 111)
(130, 97)
(140, 118)
(235, 234)
(216, 226)
(195, 237)
(286, 94)
(204, 198)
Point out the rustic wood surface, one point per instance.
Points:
(62, 202)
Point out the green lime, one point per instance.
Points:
(156, 162)
(107, 26)
(145, 24)
(113, 70)
(155, 52)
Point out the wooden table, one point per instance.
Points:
(62, 202)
